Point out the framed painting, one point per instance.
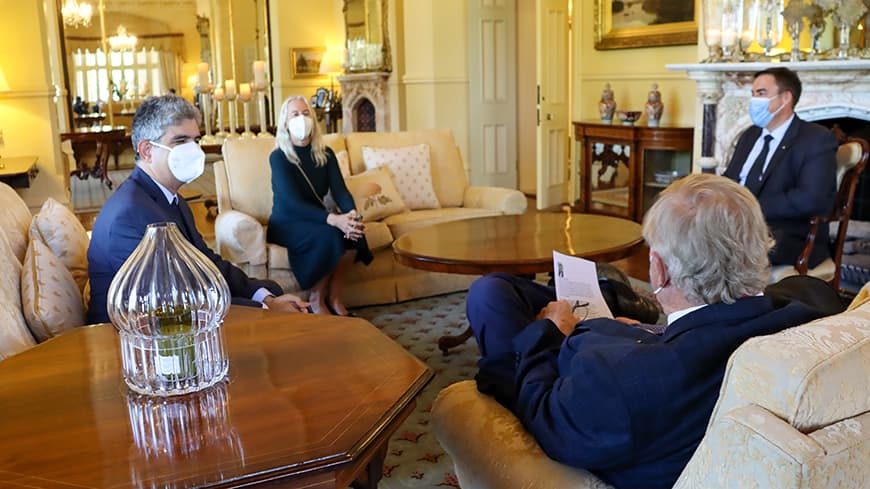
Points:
(623, 24)
(305, 62)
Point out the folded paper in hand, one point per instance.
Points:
(577, 282)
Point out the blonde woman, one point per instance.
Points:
(322, 243)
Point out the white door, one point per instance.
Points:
(492, 92)
(553, 105)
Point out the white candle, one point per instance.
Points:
(219, 94)
(260, 74)
(202, 78)
(729, 38)
(245, 91)
(230, 89)
(713, 37)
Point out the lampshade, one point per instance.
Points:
(330, 63)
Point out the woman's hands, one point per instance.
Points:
(349, 223)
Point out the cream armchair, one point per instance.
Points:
(244, 192)
(793, 412)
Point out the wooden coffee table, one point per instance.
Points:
(311, 402)
(519, 244)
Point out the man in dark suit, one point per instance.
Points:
(794, 178)
(628, 401)
(164, 134)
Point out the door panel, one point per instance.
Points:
(492, 92)
(552, 68)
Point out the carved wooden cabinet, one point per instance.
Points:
(623, 168)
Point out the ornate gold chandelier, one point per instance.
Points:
(76, 13)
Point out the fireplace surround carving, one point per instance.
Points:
(356, 89)
(831, 90)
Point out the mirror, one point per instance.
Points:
(172, 38)
(368, 41)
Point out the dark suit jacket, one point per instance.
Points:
(120, 226)
(800, 182)
(629, 405)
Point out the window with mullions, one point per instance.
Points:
(133, 74)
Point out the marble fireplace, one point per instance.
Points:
(832, 90)
(365, 102)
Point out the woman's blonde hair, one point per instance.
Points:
(711, 234)
(318, 149)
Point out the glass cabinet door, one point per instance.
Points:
(660, 168)
(610, 180)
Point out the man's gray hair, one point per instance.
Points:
(711, 234)
(156, 114)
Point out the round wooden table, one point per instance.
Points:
(518, 244)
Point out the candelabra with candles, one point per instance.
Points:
(260, 85)
(230, 95)
(220, 135)
(203, 88)
(245, 97)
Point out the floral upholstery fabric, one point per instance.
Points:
(810, 376)
(14, 335)
(50, 299)
(14, 220)
(794, 412)
(491, 449)
(375, 194)
(59, 229)
(411, 170)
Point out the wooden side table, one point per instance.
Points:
(623, 168)
(105, 139)
(18, 171)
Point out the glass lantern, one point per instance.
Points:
(731, 27)
(750, 26)
(769, 30)
(713, 29)
(168, 302)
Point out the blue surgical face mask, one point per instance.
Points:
(758, 112)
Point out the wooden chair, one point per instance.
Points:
(851, 160)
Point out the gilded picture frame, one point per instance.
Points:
(305, 62)
(652, 23)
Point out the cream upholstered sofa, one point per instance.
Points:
(793, 412)
(43, 272)
(243, 181)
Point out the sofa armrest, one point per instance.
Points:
(491, 449)
(240, 238)
(506, 200)
(222, 186)
(750, 447)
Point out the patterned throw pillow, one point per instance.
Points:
(375, 194)
(343, 163)
(59, 229)
(14, 220)
(50, 298)
(411, 170)
(14, 335)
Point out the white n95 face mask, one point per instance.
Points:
(186, 161)
(300, 126)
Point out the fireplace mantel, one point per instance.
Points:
(831, 89)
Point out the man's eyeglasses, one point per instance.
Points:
(580, 310)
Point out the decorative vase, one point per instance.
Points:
(168, 302)
(606, 106)
(654, 106)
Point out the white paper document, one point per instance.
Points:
(577, 282)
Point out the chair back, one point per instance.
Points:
(851, 160)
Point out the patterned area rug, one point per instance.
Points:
(415, 459)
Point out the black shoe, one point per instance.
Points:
(621, 297)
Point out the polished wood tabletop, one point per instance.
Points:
(521, 244)
(310, 401)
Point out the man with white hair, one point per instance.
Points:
(627, 401)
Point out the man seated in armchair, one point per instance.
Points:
(627, 401)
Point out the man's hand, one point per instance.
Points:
(625, 320)
(286, 302)
(561, 314)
